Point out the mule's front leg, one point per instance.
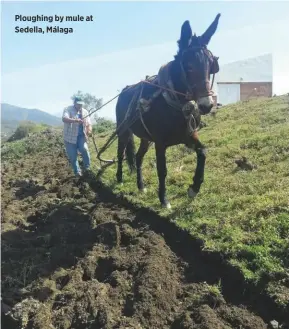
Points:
(199, 173)
(162, 174)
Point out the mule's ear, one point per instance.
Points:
(206, 37)
(186, 34)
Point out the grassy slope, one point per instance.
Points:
(243, 214)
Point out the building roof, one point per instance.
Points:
(256, 69)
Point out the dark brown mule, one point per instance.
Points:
(163, 124)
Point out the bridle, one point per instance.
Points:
(213, 69)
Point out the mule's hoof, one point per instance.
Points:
(132, 170)
(191, 193)
(166, 205)
(143, 190)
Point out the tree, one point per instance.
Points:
(90, 101)
(103, 125)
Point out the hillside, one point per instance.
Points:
(82, 255)
(12, 115)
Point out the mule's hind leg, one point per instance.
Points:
(130, 153)
(143, 148)
(162, 174)
(122, 141)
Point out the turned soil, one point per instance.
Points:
(72, 258)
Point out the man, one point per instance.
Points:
(77, 127)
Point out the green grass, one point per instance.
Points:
(243, 214)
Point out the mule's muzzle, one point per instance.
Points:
(205, 110)
(205, 104)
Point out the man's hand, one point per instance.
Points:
(79, 120)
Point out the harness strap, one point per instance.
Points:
(140, 108)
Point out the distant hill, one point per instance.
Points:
(16, 113)
(12, 115)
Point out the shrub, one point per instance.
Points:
(25, 128)
(103, 125)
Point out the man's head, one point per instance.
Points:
(78, 103)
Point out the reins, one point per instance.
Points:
(150, 83)
(142, 81)
(167, 89)
(118, 130)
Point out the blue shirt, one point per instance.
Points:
(80, 128)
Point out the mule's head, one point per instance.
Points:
(197, 63)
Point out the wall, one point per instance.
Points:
(263, 89)
(229, 92)
(256, 72)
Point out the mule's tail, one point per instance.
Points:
(126, 138)
(130, 152)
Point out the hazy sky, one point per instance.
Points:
(125, 42)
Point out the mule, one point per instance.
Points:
(165, 124)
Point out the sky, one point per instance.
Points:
(125, 42)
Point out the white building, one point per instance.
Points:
(245, 79)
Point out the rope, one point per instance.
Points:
(123, 91)
(102, 106)
(167, 89)
(132, 121)
(96, 149)
(120, 130)
(129, 123)
(142, 81)
(141, 117)
(113, 136)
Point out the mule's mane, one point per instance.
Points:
(194, 42)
